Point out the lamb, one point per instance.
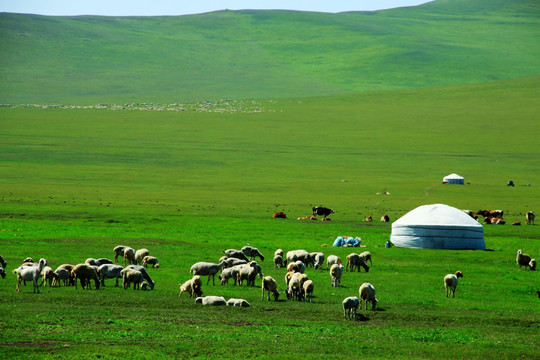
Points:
(278, 262)
(307, 288)
(335, 272)
(69, 268)
(131, 276)
(30, 273)
(279, 252)
(366, 255)
(350, 306)
(227, 274)
(61, 274)
(119, 251)
(85, 273)
(522, 259)
(451, 282)
(206, 268)
(270, 285)
(143, 271)
(295, 289)
(301, 255)
(92, 262)
(140, 254)
(354, 260)
(252, 252)
(318, 259)
(110, 271)
(193, 287)
(150, 260)
(211, 300)
(367, 294)
(129, 256)
(332, 259)
(249, 272)
(235, 254)
(238, 302)
(48, 276)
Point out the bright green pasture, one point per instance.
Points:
(76, 183)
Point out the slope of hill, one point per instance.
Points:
(264, 54)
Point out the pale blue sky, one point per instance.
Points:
(182, 7)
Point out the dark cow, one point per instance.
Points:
(529, 216)
(385, 218)
(494, 221)
(279, 215)
(491, 213)
(322, 211)
(471, 214)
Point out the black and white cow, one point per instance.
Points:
(322, 211)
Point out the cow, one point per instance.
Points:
(368, 219)
(322, 211)
(385, 218)
(529, 216)
(307, 218)
(471, 214)
(279, 215)
(494, 221)
(491, 213)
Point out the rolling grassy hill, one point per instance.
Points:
(264, 54)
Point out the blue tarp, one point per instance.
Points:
(347, 240)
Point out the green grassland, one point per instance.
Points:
(264, 54)
(187, 184)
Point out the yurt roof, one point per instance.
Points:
(437, 214)
(453, 176)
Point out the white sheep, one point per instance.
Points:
(211, 300)
(532, 264)
(238, 302)
(307, 289)
(30, 273)
(300, 276)
(48, 276)
(366, 255)
(150, 260)
(451, 282)
(140, 254)
(252, 252)
(301, 255)
(318, 259)
(288, 277)
(354, 261)
(193, 287)
(230, 262)
(131, 276)
(270, 285)
(145, 274)
(278, 252)
(523, 259)
(118, 252)
(85, 273)
(350, 306)
(367, 294)
(332, 259)
(278, 262)
(295, 289)
(129, 256)
(335, 273)
(297, 266)
(249, 272)
(110, 271)
(235, 254)
(92, 262)
(61, 274)
(207, 268)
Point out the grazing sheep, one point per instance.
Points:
(354, 260)
(301, 255)
(532, 265)
(522, 259)
(211, 300)
(206, 268)
(227, 274)
(69, 268)
(318, 259)
(104, 261)
(85, 273)
(335, 272)
(367, 294)
(233, 253)
(288, 277)
(150, 260)
(110, 271)
(300, 276)
(48, 275)
(30, 273)
(307, 288)
(278, 262)
(143, 271)
(131, 276)
(297, 266)
(252, 252)
(451, 282)
(238, 302)
(350, 306)
(332, 259)
(193, 287)
(140, 254)
(366, 255)
(278, 252)
(249, 272)
(129, 256)
(119, 251)
(28, 260)
(61, 274)
(230, 262)
(295, 289)
(270, 285)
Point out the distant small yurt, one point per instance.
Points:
(437, 226)
(453, 179)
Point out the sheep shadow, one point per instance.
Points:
(361, 317)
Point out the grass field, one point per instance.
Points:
(188, 184)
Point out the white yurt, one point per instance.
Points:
(453, 179)
(437, 226)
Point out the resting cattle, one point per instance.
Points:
(494, 221)
(368, 219)
(279, 215)
(385, 218)
(529, 216)
(322, 211)
(471, 214)
(491, 213)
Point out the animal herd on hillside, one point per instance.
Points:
(238, 265)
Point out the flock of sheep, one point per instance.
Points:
(238, 265)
